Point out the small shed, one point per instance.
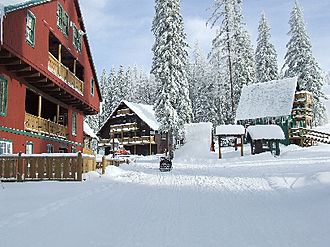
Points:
(236, 131)
(265, 138)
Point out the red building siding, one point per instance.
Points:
(12, 126)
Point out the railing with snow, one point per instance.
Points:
(308, 136)
(63, 167)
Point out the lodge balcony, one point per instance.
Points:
(120, 128)
(143, 140)
(43, 126)
(41, 82)
(44, 116)
(64, 73)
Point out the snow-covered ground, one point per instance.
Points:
(238, 201)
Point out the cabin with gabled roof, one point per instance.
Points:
(277, 102)
(48, 82)
(136, 128)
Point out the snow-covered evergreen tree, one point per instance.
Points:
(201, 89)
(231, 57)
(300, 62)
(173, 106)
(265, 56)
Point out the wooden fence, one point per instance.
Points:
(42, 167)
(69, 167)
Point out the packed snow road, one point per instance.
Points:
(250, 201)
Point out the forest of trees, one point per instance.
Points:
(207, 87)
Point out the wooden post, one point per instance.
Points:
(104, 164)
(219, 140)
(57, 114)
(19, 176)
(150, 147)
(60, 53)
(74, 66)
(39, 106)
(79, 166)
(242, 144)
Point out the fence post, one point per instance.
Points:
(79, 166)
(104, 163)
(19, 175)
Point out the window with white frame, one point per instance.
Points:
(6, 147)
(77, 37)
(62, 20)
(50, 148)
(30, 28)
(29, 148)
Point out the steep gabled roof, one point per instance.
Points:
(24, 4)
(267, 99)
(145, 112)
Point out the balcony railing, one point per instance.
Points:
(65, 74)
(41, 125)
(128, 127)
(137, 140)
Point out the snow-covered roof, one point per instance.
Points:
(266, 132)
(267, 99)
(89, 131)
(230, 130)
(17, 5)
(145, 112)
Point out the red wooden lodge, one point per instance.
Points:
(48, 81)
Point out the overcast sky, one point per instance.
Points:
(119, 31)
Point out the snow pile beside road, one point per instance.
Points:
(197, 142)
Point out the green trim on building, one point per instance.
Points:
(39, 136)
(3, 96)
(30, 32)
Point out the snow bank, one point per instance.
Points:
(230, 130)
(114, 171)
(272, 132)
(88, 131)
(90, 176)
(198, 141)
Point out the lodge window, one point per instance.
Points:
(76, 38)
(62, 20)
(3, 96)
(6, 147)
(50, 148)
(29, 148)
(92, 87)
(74, 123)
(30, 28)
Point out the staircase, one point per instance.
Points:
(308, 137)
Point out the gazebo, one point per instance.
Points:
(265, 138)
(236, 131)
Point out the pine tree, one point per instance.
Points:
(201, 87)
(231, 57)
(300, 62)
(173, 106)
(95, 121)
(265, 56)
